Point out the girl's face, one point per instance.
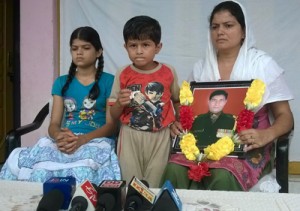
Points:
(226, 32)
(84, 53)
(142, 53)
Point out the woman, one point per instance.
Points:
(231, 55)
(79, 147)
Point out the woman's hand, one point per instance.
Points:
(255, 138)
(283, 122)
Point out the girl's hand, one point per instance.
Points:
(64, 132)
(67, 145)
(74, 144)
(64, 139)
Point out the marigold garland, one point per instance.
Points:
(188, 146)
(252, 100)
(186, 96)
(223, 146)
(254, 94)
(244, 120)
(197, 172)
(186, 117)
(188, 142)
(220, 149)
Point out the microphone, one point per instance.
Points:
(139, 196)
(53, 200)
(107, 202)
(79, 203)
(57, 193)
(111, 195)
(167, 199)
(85, 197)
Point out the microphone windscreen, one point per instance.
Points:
(79, 203)
(145, 183)
(111, 189)
(66, 185)
(106, 202)
(139, 196)
(88, 192)
(51, 201)
(133, 202)
(167, 199)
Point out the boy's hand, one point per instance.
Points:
(175, 129)
(124, 97)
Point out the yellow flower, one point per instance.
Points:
(188, 146)
(220, 149)
(186, 96)
(254, 94)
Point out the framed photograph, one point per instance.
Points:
(215, 107)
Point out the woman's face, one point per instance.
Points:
(226, 32)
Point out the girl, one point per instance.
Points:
(78, 146)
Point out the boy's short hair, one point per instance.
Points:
(141, 28)
(218, 92)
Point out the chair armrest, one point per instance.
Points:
(282, 161)
(13, 137)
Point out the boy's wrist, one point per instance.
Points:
(119, 105)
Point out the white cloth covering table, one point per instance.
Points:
(25, 196)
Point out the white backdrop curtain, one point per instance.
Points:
(184, 34)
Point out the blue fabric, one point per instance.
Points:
(94, 161)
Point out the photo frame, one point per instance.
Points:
(202, 91)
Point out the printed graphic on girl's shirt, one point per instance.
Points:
(87, 112)
(70, 107)
(148, 107)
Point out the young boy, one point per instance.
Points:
(143, 96)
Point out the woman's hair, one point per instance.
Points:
(141, 28)
(87, 34)
(232, 7)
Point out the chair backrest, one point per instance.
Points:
(13, 137)
(282, 161)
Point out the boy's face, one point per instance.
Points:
(142, 53)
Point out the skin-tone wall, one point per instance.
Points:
(38, 46)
